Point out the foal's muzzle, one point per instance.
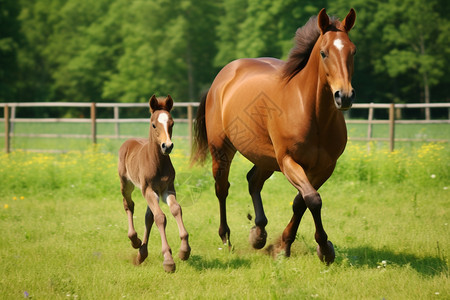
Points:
(344, 101)
(166, 148)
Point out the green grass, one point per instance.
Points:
(64, 230)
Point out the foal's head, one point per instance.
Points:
(161, 123)
(337, 51)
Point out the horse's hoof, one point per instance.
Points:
(257, 237)
(169, 266)
(136, 242)
(326, 255)
(142, 254)
(184, 254)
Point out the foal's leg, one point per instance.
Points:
(221, 161)
(143, 250)
(296, 175)
(175, 209)
(160, 221)
(256, 178)
(127, 188)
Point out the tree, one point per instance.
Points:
(231, 17)
(261, 28)
(10, 40)
(410, 30)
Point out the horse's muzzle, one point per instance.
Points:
(344, 101)
(166, 148)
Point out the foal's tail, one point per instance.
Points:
(200, 144)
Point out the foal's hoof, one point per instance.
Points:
(135, 241)
(326, 255)
(257, 237)
(169, 266)
(142, 254)
(184, 254)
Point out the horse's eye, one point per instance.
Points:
(322, 54)
(153, 125)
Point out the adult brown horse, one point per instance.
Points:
(145, 163)
(282, 116)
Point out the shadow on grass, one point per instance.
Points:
(381, 258)
(200, 263)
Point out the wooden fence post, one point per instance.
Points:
(93, 124)
(116, 118)
(189, 116)
(7, 132)
(369, 122)
(392, 126)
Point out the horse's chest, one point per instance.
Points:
(161, 181)
(319, 150)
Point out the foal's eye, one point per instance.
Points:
(153, 125)
(322, 54)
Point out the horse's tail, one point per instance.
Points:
(200, 144)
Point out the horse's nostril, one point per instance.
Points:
(163, 145)
(353, 95)
(337, 94)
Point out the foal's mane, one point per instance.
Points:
(305, 39)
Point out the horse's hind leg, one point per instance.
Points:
(175, 209)
(221, 162)
(256, 178)
(143, 250)
(127, 188)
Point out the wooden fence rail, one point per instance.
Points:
(9, 118)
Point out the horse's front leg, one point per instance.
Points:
(297, 176)
(175, 209)
(160, 221)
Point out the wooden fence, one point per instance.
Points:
(9, 119)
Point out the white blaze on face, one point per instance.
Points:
(163, 118)
(338, 44)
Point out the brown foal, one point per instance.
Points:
(145, 163)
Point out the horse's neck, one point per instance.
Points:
(154, 151)
(317, 97)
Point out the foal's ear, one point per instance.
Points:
(154, 104)
(168, 103)
(349, 20)
(323, 20)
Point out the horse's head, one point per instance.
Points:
(337, 51)
(162, 122)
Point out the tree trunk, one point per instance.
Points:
(190, 73)
(426, 85)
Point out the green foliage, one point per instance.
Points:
(120, 50)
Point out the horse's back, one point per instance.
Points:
(244, 72)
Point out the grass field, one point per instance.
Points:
(64, 230)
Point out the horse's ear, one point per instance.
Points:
(154, 104)
(169, 103)
(349, 20)
(323, 20)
